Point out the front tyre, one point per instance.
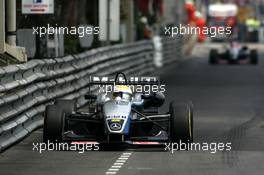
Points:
(181, 123)
(213, 56)
(53, 123)
(254, 57)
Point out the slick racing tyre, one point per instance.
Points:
(53, 124)
(68, 106)
(213, 55)
(181, 122)
(253, 56)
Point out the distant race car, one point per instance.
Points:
(121, 117)
(236, 54)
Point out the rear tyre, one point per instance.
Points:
(53, 124)
(181, 123)
(213, 55)
(253, 56)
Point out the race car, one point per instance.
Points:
(235, 54)
(121, 116)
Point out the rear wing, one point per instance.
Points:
(123, 80)
(106, 84)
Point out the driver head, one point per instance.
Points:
(122, 92)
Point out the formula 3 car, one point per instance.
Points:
(121, 117)
(235, 54)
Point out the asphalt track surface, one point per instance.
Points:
(228, 102)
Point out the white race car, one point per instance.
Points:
(235, 54)
(121, 117)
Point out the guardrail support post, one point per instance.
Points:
(9, 52)
(11, 22)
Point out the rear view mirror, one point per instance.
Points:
(90, 97)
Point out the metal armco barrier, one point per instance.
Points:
(26, 89)
(172, 49)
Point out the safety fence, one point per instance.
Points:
(26, 89)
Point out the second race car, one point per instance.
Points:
(235, 54)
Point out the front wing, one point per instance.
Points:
(158, 134)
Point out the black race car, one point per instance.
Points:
(119, 117)
(236, 54)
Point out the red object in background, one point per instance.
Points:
(219, 18)
(144, 6)
(161, 7)
(200, 22)
(190, 8)
(147, 32)
(230, 22)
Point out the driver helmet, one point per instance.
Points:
(122, 92)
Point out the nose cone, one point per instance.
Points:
(116, 115)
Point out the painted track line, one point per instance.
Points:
(117, 165)
(120, 161)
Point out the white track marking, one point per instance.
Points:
(116, 166)
(113, 169)
(123, 158)
(118, 163)
(126, 153)
(122, 161)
